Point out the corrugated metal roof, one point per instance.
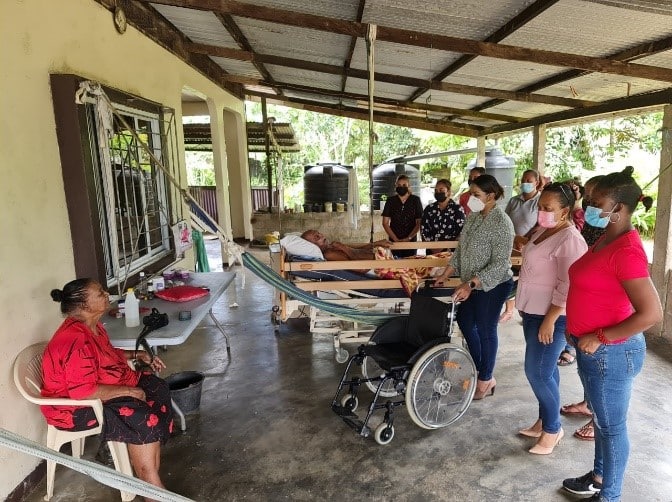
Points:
(307, 47)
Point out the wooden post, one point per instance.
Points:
(480, 151)
(267, 142)
(662, 246)
(539, 148)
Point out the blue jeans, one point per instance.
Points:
(541, 368)
(478, 318)
(607, 377)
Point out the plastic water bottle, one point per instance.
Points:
(142, 287)
(132, 309)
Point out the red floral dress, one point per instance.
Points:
(76, 361)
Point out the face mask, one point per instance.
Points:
(475, 204)
(546, 219)
(593, 217)
(527, 187)
(401, 190)
(440, 196)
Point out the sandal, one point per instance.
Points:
(586, 433)
(566, 358)
(576, 409)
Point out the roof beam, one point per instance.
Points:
(615, 105)
(428, 40)
(518, 21)
(155, 27)
(381, 117)
(636, 52)
(414, 107)
(240, 38)
(381, 77)
(351, 48)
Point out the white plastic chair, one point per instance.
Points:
(28, 379)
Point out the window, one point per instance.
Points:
(121, 204)
(132, 195)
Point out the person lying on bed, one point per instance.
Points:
(337, 251)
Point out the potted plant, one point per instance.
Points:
(383, 198)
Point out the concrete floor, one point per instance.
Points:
(265, 430)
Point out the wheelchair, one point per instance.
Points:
(409, 361)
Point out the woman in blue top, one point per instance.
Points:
(482, 260)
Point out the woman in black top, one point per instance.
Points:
(402, 216)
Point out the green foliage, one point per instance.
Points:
(644, 221)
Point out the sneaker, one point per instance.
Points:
(585, 485)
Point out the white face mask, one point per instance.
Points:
(475, 204)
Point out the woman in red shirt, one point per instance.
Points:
(611, 301)
(80, 363)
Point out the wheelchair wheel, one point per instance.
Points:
(342, 355)
(350, 402)
(384, 433)
(440, 386)
(371, 369)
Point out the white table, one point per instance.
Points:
(176, 332)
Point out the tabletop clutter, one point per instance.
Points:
(149, 288)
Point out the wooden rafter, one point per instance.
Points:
(155, 27)
(657, 98)
(416, 108)
(351, 47)
(518, 21)
(638, 51)
(301, 64)
(427, 40)
(362, 113)
(240, 38)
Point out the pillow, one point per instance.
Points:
(298, 247)
(182, 293)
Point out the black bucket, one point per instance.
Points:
(185, 390)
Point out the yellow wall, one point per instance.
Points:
(39, 37)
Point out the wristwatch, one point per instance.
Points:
(472, 284)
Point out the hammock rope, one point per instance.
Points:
(269, 276)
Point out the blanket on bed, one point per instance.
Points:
(408, 277)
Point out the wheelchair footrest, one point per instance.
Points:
(352, 420)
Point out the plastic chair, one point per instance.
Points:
(28, 379)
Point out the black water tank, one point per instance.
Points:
(385, 176)
(503, 168)
(326, 182)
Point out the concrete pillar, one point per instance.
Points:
(480, 151)
(240, 193)
(662, 245)
(219, 160)
(539, 148)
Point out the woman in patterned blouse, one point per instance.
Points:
(442, 220)
(80, 363)
(482, 260)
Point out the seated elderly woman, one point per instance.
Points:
(80, 363)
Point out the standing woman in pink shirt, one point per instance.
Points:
(541, 297)
(611, 301)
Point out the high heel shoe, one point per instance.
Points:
(532, 432)
(487, 390)
(539, 449)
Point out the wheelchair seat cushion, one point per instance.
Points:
(390, 356)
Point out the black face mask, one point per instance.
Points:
(440, 196)
(401, 190)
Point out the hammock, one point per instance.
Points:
(351, 314)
